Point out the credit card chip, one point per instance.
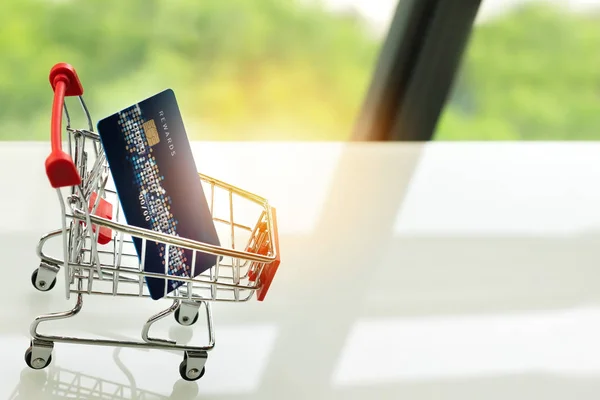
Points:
(151, 132)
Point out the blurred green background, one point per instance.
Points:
(290, 70)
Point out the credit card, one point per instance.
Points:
(155, 176)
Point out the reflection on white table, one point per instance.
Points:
(446, 271)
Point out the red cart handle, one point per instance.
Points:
(60, 169)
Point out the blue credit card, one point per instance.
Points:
(155, 175)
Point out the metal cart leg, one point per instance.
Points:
(194, 361)
(39, 353)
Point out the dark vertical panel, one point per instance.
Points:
(417, 65)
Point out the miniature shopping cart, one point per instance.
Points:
(99, 256)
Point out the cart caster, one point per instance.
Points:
(38, 355)
(192, 367)
(191, 374)
(43, 279)
(187, 314)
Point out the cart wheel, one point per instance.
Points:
(38, 363)
(184, 320)
(193, 374)
(43, 285)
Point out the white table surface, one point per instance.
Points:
(438, 271)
